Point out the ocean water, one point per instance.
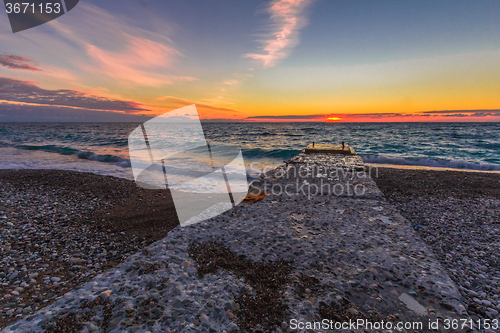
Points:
(102, 147)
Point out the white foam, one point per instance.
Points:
(452, 164)
(13, 158)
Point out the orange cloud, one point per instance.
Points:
(206, 111)
(288, 19)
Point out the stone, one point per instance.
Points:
(77, 261)
(106, 293)
(494, 312)
(204, 318)
(413, 305)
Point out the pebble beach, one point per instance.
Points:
(457, 214)
(59, 229)
(95, 260)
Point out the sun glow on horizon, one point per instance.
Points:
(333, 118)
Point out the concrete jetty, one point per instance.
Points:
(342, 148)
(322, 247)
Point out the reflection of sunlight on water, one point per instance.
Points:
(212, 183)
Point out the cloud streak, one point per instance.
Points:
(109, 46)
(292, 117)
(288, 18)
(451, 112)
(387, 116)
(14, 61)
(206, 111)
(12, 90)
(136, 63)
(45, 113)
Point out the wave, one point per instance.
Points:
(87, 155)
(453, 164)
(281, 154)
(267, 134)
(51, 149)
(84, 155)
(278, 155)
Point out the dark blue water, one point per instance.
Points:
(453, 145)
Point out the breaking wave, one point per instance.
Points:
(441, 163)
(84, 155)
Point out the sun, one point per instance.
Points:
(333, 118)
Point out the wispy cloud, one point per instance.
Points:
(14, 61)
(287, 19)
(476, 112)
(29, 113)
(231, 82)
(386, 116)
(136, 63)
(205, 110)
(291, 117)
(12, 90)
(114, 47)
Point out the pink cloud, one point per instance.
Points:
(288, 18)
(14, 61)
(140, 52)
(138, 63)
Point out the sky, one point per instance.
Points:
(279, 60)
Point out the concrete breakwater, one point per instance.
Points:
(320, 246)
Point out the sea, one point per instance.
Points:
(102, 148)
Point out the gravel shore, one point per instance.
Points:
(256, 267)
(59, 229)
(458, 215)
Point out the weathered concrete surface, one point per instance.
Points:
(366, 239)
(343, 149)
(352, 241)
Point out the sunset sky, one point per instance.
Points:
(281, 60)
